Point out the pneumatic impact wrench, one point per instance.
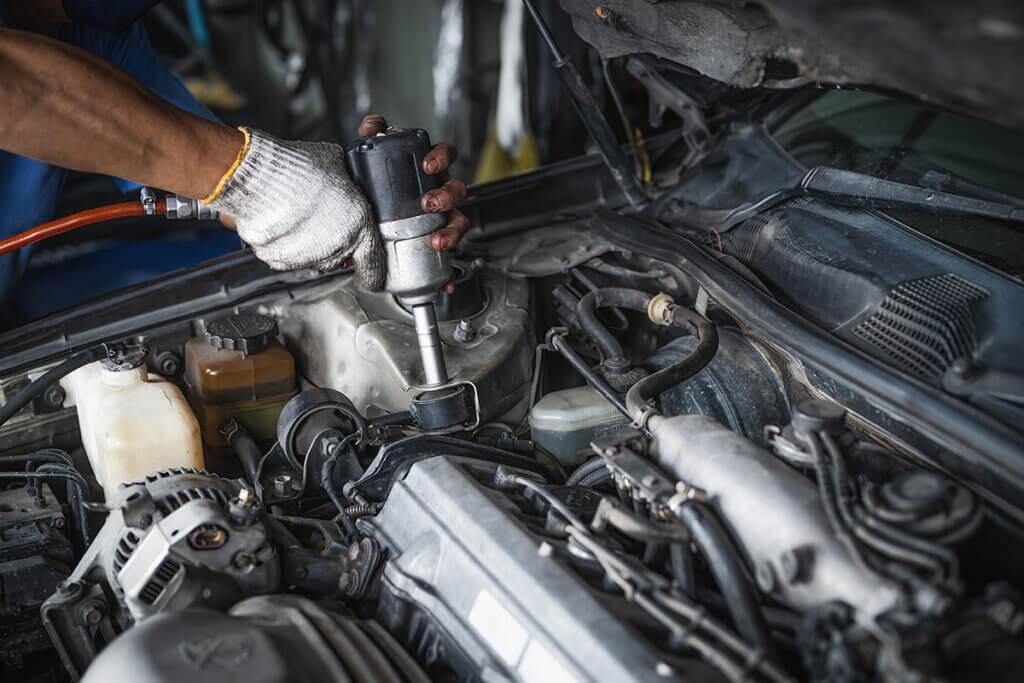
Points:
(388, 168)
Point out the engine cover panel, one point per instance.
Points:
(507, 596)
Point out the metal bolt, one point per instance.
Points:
(246, 497)
(69, 589)
(329, 444)
(54, 396)
(90, 614)
(765, 577)
(964, 368)
(282, 484)
(794, 565)
(464, 332)
(243, 561)
(169, 363)
(207, 537)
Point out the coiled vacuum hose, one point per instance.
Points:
(75, 220)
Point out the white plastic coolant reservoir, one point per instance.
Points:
(133, 423)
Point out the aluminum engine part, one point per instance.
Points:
(508, 597)
(774, 513)
(364, 345)
(182, 537)
(179, 539)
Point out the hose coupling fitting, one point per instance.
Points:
(183, 208)
(659, 309)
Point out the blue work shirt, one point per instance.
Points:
(29, 189)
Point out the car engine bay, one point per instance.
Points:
(642, 488)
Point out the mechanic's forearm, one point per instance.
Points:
(63, 106)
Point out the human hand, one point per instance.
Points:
(296, 206)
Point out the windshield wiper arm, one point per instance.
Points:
(850, 188)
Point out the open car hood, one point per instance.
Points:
(962, 56)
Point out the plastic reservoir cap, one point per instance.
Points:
(245, 332)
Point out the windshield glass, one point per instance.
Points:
(911, 143)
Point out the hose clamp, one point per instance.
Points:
(148, 200)
(659, 309)
(646, 413)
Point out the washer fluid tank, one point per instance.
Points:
(132, 423)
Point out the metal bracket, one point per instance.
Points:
(462, 426)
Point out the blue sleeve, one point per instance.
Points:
(130, 50)
(115, 15)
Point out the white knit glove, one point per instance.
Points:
(296, 206)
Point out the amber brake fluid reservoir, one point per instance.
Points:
(238, 369)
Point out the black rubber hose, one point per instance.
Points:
(327, 482)
(880, 536)
(723, 559)
(596, 478)
(623, 297)
(652, 386)
(830, 501)
(78, 495)
(245, 447)
(52, 456)
(46, 455)
(609, 297)
(36, 388)
(585, 471)
(682, 567)
(569, 301)
(69, 475)
(605, 341)
(559, 343)
(602, 266)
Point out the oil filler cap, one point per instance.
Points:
(245, 332)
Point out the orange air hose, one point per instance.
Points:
(76, 220)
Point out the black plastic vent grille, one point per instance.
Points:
(156, 585)
(925, 324)
(125, 548)
(189, 491)
(172, 502)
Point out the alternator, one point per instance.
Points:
(179, 539)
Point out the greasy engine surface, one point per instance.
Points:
(641, 491)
